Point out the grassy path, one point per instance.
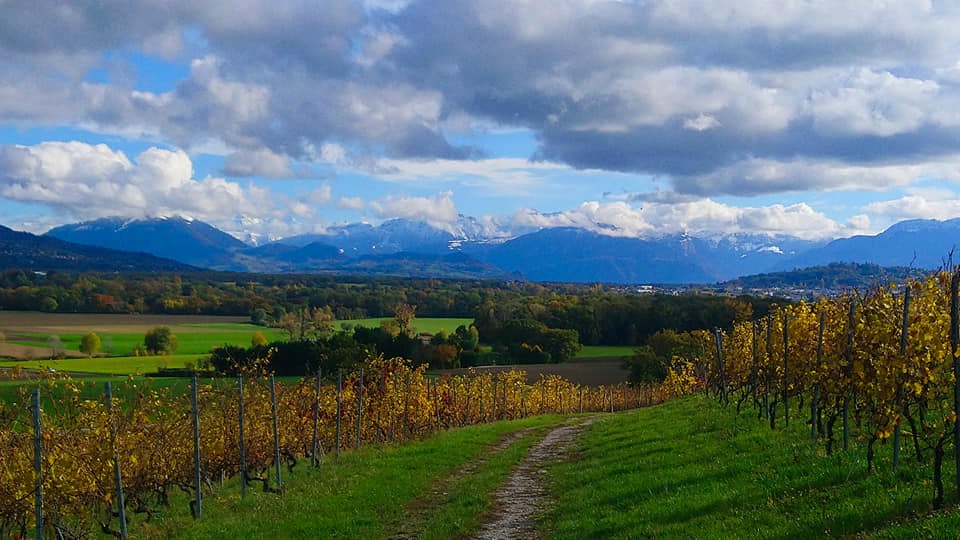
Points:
(438, 488)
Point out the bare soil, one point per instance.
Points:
(23, 352)
(593, 372)
(523, 497)
(29, 322)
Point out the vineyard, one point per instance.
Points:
(73, 465)
(875, 367)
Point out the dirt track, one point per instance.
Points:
(22, 352)
(523, 497)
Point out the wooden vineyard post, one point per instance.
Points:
(954, 343)
(360, 408)
(723, 375)
(904, 333)
(480, 400)
(786, 369)
(767, 406)
(466, 406)
(38, 463)
(276, 430)
(117, 477)
(851, 322)
(543, 395)
(197, 471)
(314, 460)
(815, 402)
(339, 409)
(382, 385)
(406, 408)
(243, 454)
(753, 366)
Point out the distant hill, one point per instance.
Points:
(40, 253)
(918, 243)
(577, 255)
(188, 241)
(393, 236)
(831, 277)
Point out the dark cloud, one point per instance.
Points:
(696, 93)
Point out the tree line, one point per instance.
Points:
(521, 322)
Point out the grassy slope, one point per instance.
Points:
(692, 469)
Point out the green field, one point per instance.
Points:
(603, 351)
(113, 365)
(121, 334)
(426, 325)
(191, 338)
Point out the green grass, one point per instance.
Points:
(112, 365)
(604, 351)
(191, 338)
(369, 493)
(690, 468)
(426, 325)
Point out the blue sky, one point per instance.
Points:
(267, 118)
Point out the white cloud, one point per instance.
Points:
(702, 122)
(259, 162)
(351, 203)
(91, 181)
(702, 216)
(875, 103)
(916, 206)
(504, 176)
(757, 176)
(320, 196)
(438, 210)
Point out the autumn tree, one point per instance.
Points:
(404, 314)
(307, 323)
(90, 344)
(258, 340)
(160, 340)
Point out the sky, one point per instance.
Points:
(816, 119)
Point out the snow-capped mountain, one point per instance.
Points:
(476, 248)
(186, 240)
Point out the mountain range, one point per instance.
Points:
(25, 250)
(411, 248)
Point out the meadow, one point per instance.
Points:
(196, 335)
(120, 335)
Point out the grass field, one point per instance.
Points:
(115, 365)
(121, 334)
(425, 325)
(691, 468)
(603, 351)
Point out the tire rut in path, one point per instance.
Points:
(523, 497)
(418, 510)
